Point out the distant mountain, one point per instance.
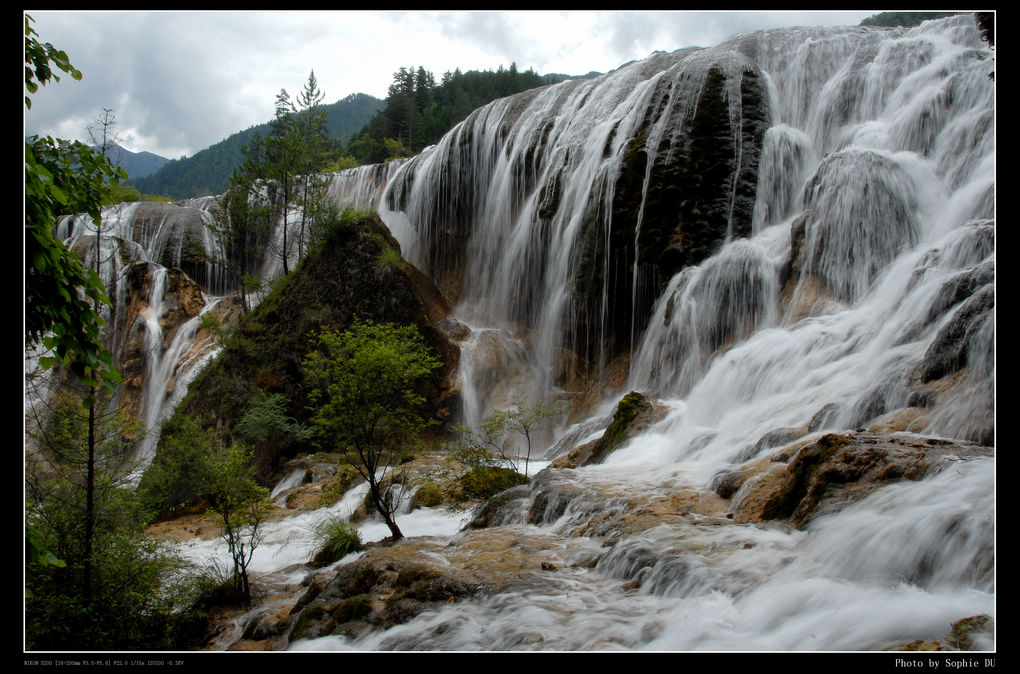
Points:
(556, 78)
(208, 171)
(137, 164)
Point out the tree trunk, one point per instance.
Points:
(384, 510)
(90, 497)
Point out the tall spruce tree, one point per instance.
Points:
(317, 152)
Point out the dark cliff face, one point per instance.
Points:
(674, 203)
(662, 184)
(357, 273)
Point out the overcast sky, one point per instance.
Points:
(179, 82)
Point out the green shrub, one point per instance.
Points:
(428, 495)
(267, 426)
(388, 259)
(483, 482)
(334, 539)
(209, 322)
(174, 480)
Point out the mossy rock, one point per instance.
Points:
(484, 482)
(353, 608)
(428, 495)
(633, 413)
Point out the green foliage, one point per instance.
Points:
(122, 192)
(388, 259)
(135, 600)
(241, 505)
(244, 232)
(93, 580)
(483, 480)
(334, 538)
(395, 149)
(362, 391)
(61, 178)
(39, 58)
(269, 429)
(905, 19)
(428, 495)
(418, 111)
(212, 323)
(174, 480)
(332, 226)
(345, 162)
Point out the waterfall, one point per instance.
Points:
(791, 230)
(788, 234)
(560, 218)
(140, 243)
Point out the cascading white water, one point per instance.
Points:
(874, 210)
(158, 236)
(871, 240)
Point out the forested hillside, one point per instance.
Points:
(905, 19)
(416, 113)
(208, 171)
(419, 111)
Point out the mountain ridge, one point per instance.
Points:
(208, 171)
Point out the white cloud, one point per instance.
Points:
(181, 81)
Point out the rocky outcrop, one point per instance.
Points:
(961, 336)
(181, 301)
(634, 413)
(810, 476)
(680, 194)
(358, 273)
(975, 633)
(386, 587)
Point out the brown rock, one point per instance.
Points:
(837, 468)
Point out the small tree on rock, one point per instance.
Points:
(362, 390)
(241, 505)
(497, 434)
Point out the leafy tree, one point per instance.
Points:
(280, 170)
(243, 233)
(418, 111)
(62, 299)
(173, 480)
(208, 171)
(241, 505)
(362, 390)
(497, 435)
(112, 587)
(62, 178)
(317, 152)
(283, 164)
(268, 427)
